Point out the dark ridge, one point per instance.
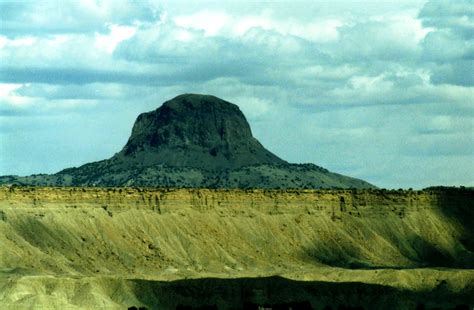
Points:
(281, 293)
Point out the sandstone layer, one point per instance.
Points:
(164, 248)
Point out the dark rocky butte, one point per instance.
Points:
(196, 131)
(193, 141)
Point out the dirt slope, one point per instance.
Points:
(59, 243)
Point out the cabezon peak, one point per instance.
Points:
(194, 141)
(199, 131)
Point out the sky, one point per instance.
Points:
(378, 90)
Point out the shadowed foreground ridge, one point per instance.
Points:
(194, 141)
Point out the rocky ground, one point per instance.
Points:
(232, 249)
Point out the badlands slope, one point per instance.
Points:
(233, 249)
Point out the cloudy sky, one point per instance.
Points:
(380, 90)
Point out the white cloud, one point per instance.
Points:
(220, 23)
(7, 89)
(44, 18)
(9, 98)
(450, 46)
(445, 14)
(211, 22)
(108, 42)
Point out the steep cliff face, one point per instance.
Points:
(346, 228)
(196, 131)
(96, 238)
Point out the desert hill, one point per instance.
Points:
(193, 141)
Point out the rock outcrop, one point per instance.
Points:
(195, 131)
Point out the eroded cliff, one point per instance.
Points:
(395, 238)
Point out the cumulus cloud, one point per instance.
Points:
(23, 18)
(393, 40)
(450, 46)
(445, 14)
(190, 55)
(214, 23)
